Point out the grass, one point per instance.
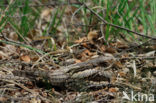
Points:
(125, 13)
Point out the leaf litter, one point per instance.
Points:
(132, 67)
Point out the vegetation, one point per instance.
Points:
(49, 35)
(135, 15)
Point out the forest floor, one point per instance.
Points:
(71, 65)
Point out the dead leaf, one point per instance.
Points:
(46, 14)
(3, 99)
(85, 45)
(121, 45)
(70, 9)
(10, 49)
(35, 58)
(34, 100)
(125, 70)
(113, 89)
(81, 40)
(103, 48)
(3, 55)
(32, 34)
(13, 36)
(122, 74)
(25, 58)
(78, 61)
(140, 28)
(118, 64)
(110, 50)
(92, 36)
(87, 52)
(124, 56)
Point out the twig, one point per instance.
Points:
(103, 35)
(50, 53)
(116, 26)
(139, 57)
(38, 61)
(23, 45)
(27, 89)
(129, 85)
(19, 34)
(76, 12)
(7, 39)
(22, 86)
(136, 46)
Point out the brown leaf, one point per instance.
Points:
(87, 52)
(110, 50)
(13, 36)
(46, 14)
(3, 55)
(3, 99)
(122, 74)
(85, 45)
(119, 44)
(140, 28)
(32, 34)
(113, 89)
(81, 40)
(103, 48)
(124, 56)
(92, 36)
(70, 9)
(33, 100)
(78, 61)
(118, 64)
(25, 58)
(35, 58)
